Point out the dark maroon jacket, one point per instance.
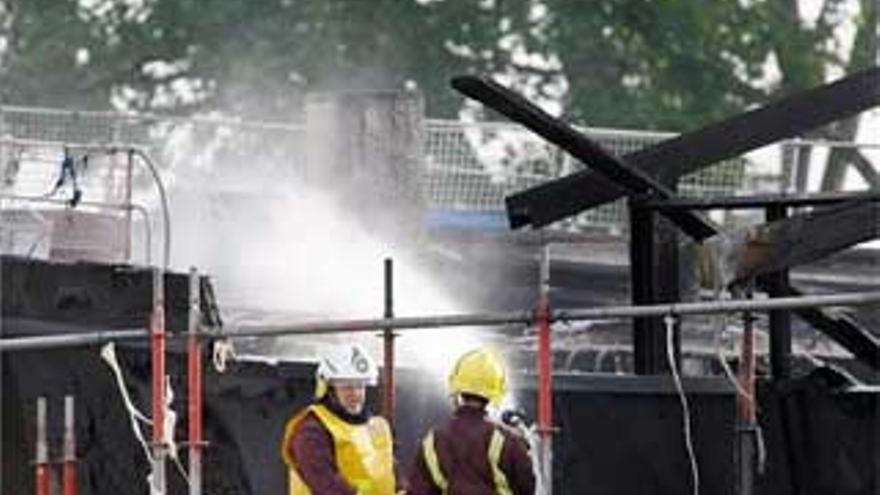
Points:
(462, 445)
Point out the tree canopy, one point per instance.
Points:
(656, 64)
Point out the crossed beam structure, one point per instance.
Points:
(675, 157)
(645, 177)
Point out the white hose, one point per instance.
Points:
(685, 409)
(108, 354)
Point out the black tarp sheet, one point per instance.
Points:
(617, 434)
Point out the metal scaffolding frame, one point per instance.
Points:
(543, 317)
(140, 209)
(112, 148)
(455, 320)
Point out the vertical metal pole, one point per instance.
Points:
(42, 450)
(649, 341)
(780, 319)
(68, 472)
(876, 456)
(129, 168)
(194, 393)
(787, 168)
(157, 333)
(2, 370)
(388, 341)
(746, 418)
(545, 373)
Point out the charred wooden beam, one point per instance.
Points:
(776, 285)
(690, 152)
(761, 201)
(842, 329)
(802, 239)
(629, 179)
(654, 273)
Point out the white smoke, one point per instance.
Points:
(281, 251)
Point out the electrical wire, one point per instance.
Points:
(721, 320)
(685, 409)
(719, 353)
(108, 354)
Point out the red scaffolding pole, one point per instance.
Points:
(157, 333)
(194, 392)
(747, 433)
(68, 470)
(41, 457)
(545, 374)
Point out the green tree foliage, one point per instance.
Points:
(244, 56)
(40, 42)
(662, 64)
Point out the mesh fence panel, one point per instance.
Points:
(222, 143)
(474, 166)
(468, 166)
(35, 142)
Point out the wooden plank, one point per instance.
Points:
(842, 329)
(690, 152)
(632, 180)
(805, 238)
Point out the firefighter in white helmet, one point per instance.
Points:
(334, 446)
(467, 454)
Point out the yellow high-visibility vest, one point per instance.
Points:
(496, 444)
(364, 452)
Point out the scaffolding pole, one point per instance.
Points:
(460, 320)
(746, 419)
(194, 392)
(41, 457)
(388, 336)
(545, 373)
(2, 387)
(570, 315)
(129, 168)
(157, 333)
(68, 469)
(112, 148)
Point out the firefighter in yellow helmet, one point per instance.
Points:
(468, 454)
(334, 447)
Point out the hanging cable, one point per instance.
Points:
(669, 320)
(720, 330)
(108, 354)
(721, 293)
(170, 426)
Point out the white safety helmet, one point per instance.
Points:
(345, 362)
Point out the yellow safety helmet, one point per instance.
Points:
(479, 372)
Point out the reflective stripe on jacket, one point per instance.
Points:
(496, 444)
